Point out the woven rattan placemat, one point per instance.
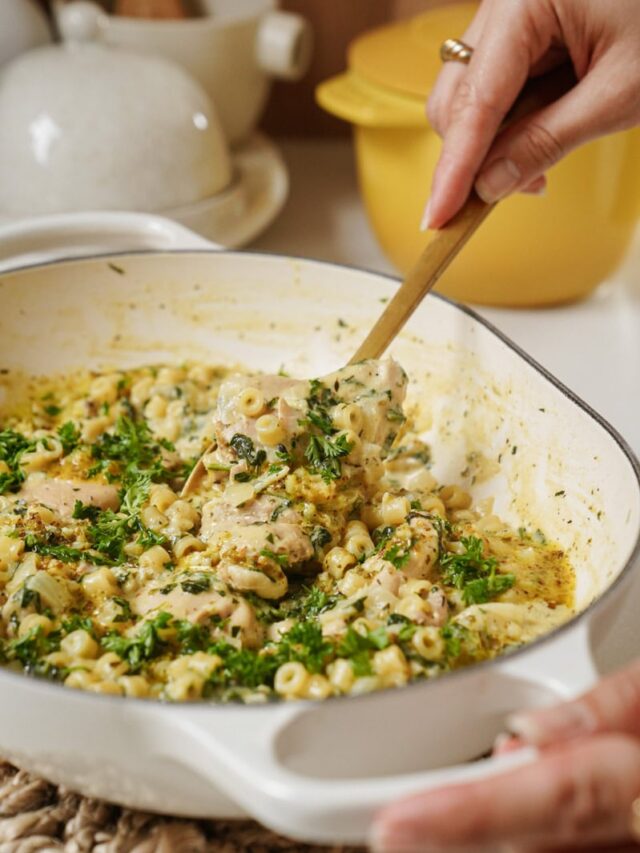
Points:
(38, 816)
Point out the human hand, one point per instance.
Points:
(513, 41)
(577, 794)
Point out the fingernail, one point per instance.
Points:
(505, 743)
(497, 180)
(573, 719)
(501, 740)
(540, 191)
(426, 216)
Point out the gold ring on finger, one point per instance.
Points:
(454, 50)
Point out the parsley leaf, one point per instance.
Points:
(396, 556)
(245, 449)
(358, 647)
(196, 583)
(144, 646)
(128, 452)
(12, 445)
(473, 573)
(320, 537)
(64, 553)
(69, 436)
(281, 559)
(325, 453)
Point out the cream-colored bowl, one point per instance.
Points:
(86, 126)
(23, 25)
(234, 50)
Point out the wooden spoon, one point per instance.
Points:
(441, 248)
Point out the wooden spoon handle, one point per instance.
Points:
(442, 247)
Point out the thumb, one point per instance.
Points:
(612, 706)
(525, 150)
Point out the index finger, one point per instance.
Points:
(580, 792)
(613, 705)
(497, 72)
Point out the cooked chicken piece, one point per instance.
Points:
(386, 576)
(61, 495)
(268, 581)
(411, 552)
(199, 607)
(232, 420)
(377, 387)
(439, 605)
(244, 537)
(218, 515)
(244, 620)
(239, 543)
(425, 548)
(184, 605)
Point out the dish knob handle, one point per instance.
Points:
(80, 21)
(284, 45)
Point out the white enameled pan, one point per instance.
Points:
(319, 771)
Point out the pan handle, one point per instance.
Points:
(238, 755)
(68, 235)
(320, 771)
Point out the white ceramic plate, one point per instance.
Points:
(256, 196)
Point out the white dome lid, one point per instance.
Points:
(85, 126)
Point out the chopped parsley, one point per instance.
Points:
(396, 415)
(397, 556)
(281, 559)
(129, 451)
(30, 648)
(406, 630)
(196, 583)
(324, 455)
(320, 537)
(245, 449)
(145, 645)
(69, 436)
(358, 648)
(12, 446)
(249, 668)
(58, 551)
(110, 531)
(125, 614)
(473, 573)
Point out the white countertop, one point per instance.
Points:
(593, 346)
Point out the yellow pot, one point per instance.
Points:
(532, 250)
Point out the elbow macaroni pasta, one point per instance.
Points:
(318, 557)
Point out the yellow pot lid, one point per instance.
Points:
(406, 56)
